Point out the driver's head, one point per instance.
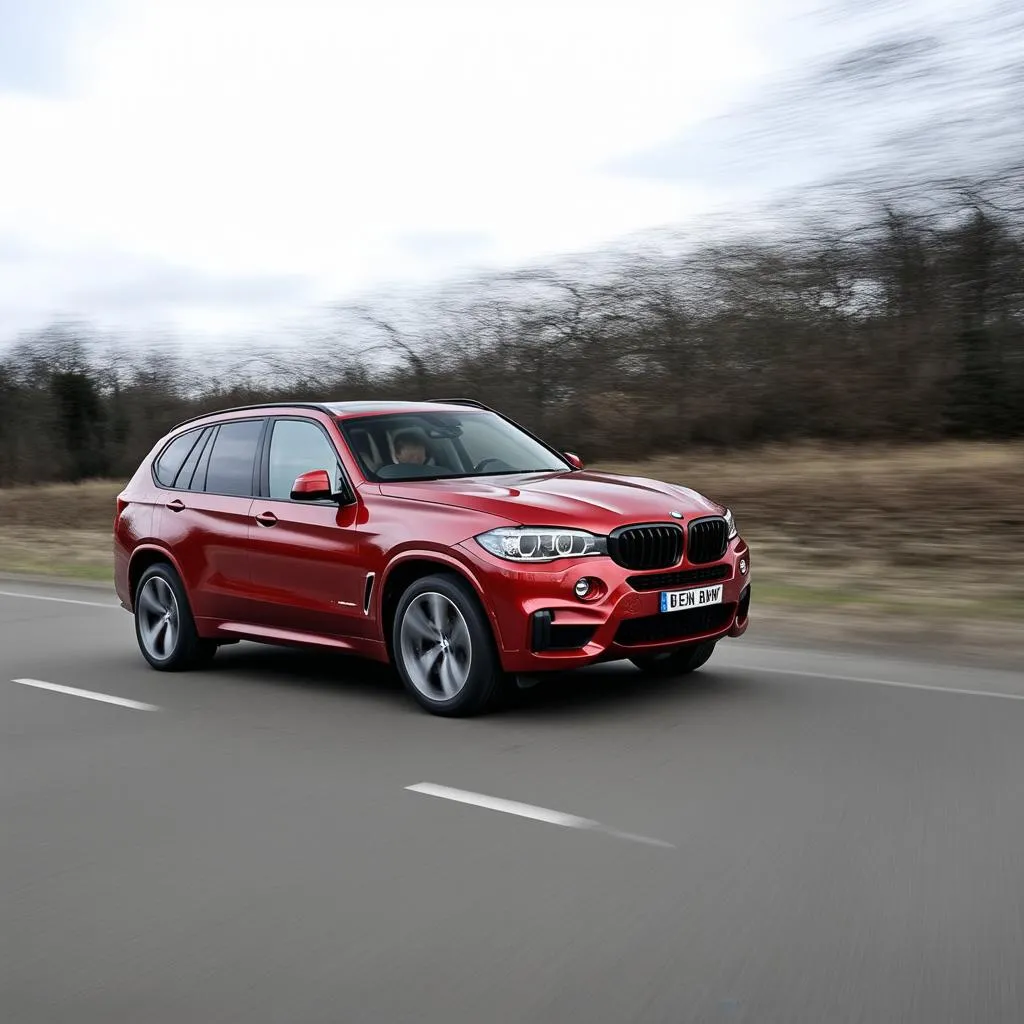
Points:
(410, 447)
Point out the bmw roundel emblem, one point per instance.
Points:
(676, 515)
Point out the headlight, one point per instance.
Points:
(731, 523)
(541, 544)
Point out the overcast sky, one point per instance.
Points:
(212, 165)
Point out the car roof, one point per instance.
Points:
(345, 410)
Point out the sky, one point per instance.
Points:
(215, 167)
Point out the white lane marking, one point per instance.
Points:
(494, 803)
(106, 698)
(545, 814)
(885, 682)
(60, 600)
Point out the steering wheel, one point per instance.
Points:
(479, 467)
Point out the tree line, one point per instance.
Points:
(904, 324)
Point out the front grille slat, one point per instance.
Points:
(646, 546)
(708, 540)
(668, 580)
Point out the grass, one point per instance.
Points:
(87, 507)
(909, 538)
(70, 553)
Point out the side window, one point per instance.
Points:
(296, 447)
(171, 459)
(233, 457)
(188, 468)
(202, 466)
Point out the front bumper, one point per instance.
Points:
(542, 626)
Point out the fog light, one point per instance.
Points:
(582, 588)
(743, 567)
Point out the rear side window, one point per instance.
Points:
(186, 475)
(231, 462)
(172, 458)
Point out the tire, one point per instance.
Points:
(444, 649)
(679, 662)
(176, 646)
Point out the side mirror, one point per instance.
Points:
(574, 460)
(312, 486)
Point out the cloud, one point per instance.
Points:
(433, 247)
(116, 288)
(37, 42)
(312, 139)
(918, 90)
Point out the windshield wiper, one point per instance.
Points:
(513, 472)
(464, 476)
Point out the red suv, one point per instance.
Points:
(440, 537)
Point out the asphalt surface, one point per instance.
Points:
(782, 839)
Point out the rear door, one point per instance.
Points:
(308, 575)
(206, 515)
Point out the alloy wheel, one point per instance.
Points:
(436, 648)
(159, 618)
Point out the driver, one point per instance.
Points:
(410, 448)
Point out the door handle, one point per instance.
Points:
(177, 505)
(266, 519)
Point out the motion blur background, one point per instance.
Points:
(771, 250)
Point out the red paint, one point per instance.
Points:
(295, 569)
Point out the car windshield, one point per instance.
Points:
(434, 445)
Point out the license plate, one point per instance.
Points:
(698, 597)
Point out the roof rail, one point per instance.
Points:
(318, 406)
(460, 401)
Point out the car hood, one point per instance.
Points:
(589, 501)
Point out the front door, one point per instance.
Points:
(307, 576)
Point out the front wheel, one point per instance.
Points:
(444, 649)
(675, 663)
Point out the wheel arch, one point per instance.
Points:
(413, 565)
(141, 559)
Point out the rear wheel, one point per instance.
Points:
(443, 647)
(164, 626)
(675, 663)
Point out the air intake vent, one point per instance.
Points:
(667, 580)
(708, 540)
(682, 625)
(653, 546)
(546, 635)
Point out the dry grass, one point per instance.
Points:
(87, 506)
(897, 538)
(58, 529)
(39, 551)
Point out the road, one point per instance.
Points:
(791, 836)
